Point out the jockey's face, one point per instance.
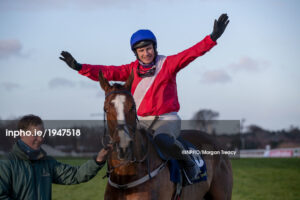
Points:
(146, 54)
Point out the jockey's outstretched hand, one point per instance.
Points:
(219, 27)
(70, 61)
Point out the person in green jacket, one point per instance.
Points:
(27, 173)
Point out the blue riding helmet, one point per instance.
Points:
(142, 35)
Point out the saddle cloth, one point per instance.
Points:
(176, 172)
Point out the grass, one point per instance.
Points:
(259, 179)
(267, 178)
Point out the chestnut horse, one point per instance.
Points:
(134, 159)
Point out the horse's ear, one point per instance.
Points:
(129, 81)
(103, 82)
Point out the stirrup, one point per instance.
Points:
(191, 173)
(190, 167)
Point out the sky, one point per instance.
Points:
(252, 73)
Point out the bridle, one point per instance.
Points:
(150, 174)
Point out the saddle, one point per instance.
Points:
(178, 174)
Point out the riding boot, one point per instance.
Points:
(173, 148)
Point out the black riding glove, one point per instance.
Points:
(219, 27)
(71, 62)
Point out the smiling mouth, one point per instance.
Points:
(148, 58)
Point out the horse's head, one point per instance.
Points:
(121, 115)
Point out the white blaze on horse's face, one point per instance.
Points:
(118, 102)
(125, 139)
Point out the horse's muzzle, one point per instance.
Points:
(125, 153)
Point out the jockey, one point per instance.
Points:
(154, 86)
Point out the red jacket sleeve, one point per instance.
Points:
(182, 59)
(111, 73)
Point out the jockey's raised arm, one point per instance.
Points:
(111, 73)
(185, 57)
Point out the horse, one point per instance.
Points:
(135, 171)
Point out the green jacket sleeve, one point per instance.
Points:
(5, 177)
(67, 175)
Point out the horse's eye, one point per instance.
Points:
(108, 106)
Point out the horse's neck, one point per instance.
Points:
(145, 148)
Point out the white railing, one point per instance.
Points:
(274, 153)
